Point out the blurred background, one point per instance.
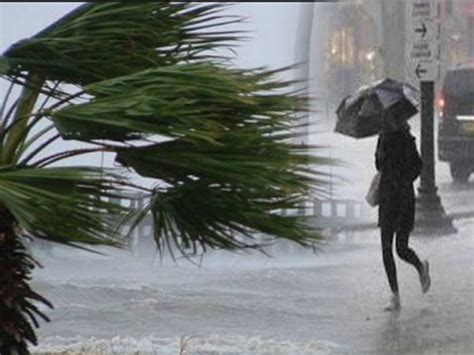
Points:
(298, 302)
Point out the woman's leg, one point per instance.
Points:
(388, 261)
(406, 253)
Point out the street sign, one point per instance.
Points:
(427, 71)
(424, 50)
(423, 44)
(425, 30)
(422, 9)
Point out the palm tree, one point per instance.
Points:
(147, 83)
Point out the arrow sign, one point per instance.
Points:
(422, 30)
(426, 71)
(425, 30)
(419, 71)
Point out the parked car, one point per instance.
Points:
(456, 121)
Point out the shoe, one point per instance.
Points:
(425, 277)
(394, 303)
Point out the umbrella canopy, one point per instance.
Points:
(366, 112)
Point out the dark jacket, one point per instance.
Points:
(400, 164)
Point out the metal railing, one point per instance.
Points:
(334, 215)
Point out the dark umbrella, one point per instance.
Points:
(363, 113)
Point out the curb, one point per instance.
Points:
(373, 225)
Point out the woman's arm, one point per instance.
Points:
(416, 164)
(379, 154)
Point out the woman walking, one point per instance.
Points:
(399, 163)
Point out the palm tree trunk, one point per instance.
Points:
(17, 311)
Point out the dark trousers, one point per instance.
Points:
(403, 251)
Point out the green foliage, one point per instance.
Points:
(109, 39)
(196, 101)
(69, 205)
(19, 304)
(151, 90)
(145, 82)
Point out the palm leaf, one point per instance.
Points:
(230, 132)
(198, 215)
(220, 192)
(196, 101)
(109, 39)
(67, 205)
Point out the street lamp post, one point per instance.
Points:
(424, 52)
(430, 215)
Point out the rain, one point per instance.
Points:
(290, 299)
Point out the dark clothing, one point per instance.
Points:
(403, 251)
(400, 164)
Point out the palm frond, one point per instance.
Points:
(198, 215)
(220, 192)
(195, 101)
(230, 133)
(109, 39)
(68, 205)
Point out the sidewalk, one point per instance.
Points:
(457, 206)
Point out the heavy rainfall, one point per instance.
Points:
(290, 299)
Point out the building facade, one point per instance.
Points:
(356, 42)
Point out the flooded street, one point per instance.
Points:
(302, 303)
(295, 303)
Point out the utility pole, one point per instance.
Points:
(431, 217)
